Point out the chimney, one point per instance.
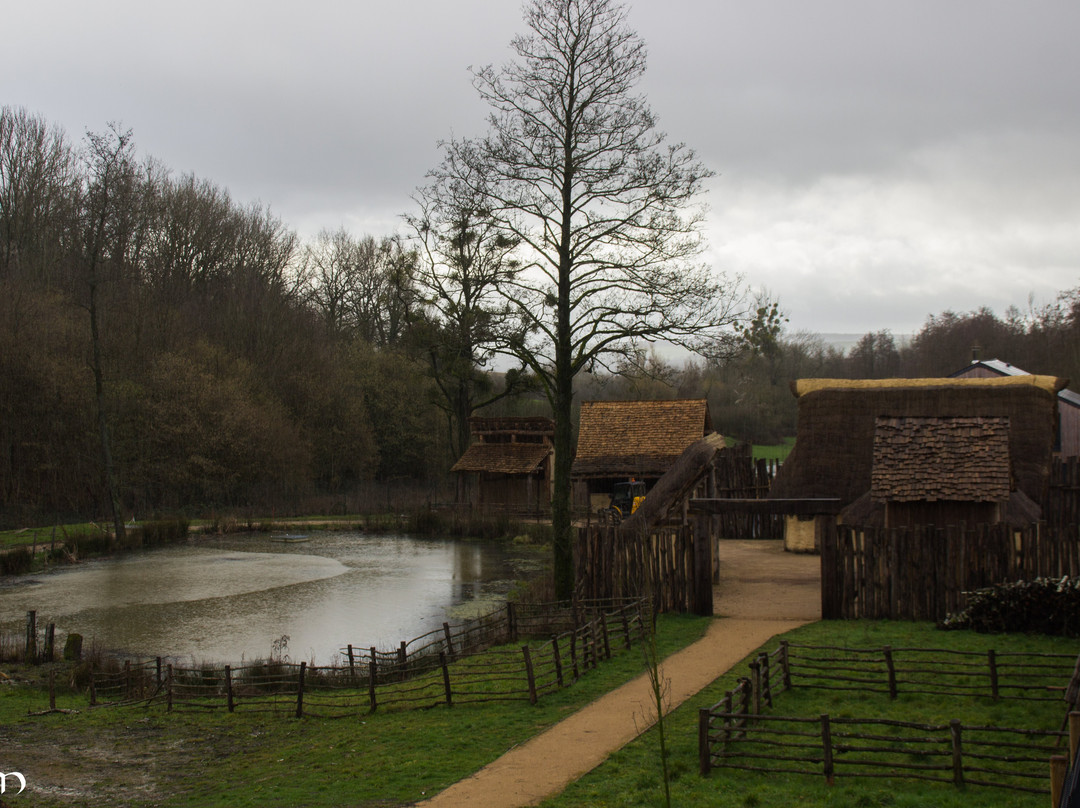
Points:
(975, 353)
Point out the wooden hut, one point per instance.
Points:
(920, 451)
(620, 440)
(508, 465)
(1068, 402)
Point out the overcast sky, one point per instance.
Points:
(876, 161)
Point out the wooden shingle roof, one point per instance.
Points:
(618, 438)
(503, 458)
(928, 459)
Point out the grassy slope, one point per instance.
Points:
(631, 776)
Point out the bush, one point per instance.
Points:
(16, 561)
(1044, 606)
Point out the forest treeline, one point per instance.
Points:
(224, 362)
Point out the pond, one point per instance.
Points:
(228, 599)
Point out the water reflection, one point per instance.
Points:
(229, 598)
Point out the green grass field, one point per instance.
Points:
(143, 757)
(631, 776)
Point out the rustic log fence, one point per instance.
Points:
(442, 667)
(924, 573)
(739, 476)
(735, 733)
(664, 565)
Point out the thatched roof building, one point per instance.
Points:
(508, 464)
(619, 440)
(906, 451)
(642, 438)
(1068, 439)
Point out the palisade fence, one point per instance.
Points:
(442, 667)
(739, 476)
(610, 563)
(925, 572)
(736, 733)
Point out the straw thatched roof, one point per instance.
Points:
(801, 387)
(624, 438)
(834, 446)
(677, 483)
(918, 459)
(503, 458)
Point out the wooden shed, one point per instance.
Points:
(1068, 435)
(620, 440)
(921, 451)
(508, 465)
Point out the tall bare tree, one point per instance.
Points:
(465, 260)
(606, 211)
(109, 179)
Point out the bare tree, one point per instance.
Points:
(108, 182)
(605, 210)
(465, 260)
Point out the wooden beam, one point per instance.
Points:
(787, 507)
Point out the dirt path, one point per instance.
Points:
(763, 591)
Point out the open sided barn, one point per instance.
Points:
(508, 465)
(620, 440)
(940, 451)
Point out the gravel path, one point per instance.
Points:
(763, 591)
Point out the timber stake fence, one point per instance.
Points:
(444, 667)
(736, 733)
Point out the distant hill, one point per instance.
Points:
(845, 342)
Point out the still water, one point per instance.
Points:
(228, 599)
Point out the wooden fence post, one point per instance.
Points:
(352, 663)
(449, 640)
(991, 660)
(529, 673)
(604, 634)
(704, 754)
(1074, 734)
(957, 752)
(573, 654)
(229, 689)
(157, 674)
(785, 664)
(766, 679)
(52, 689)
(403, 660)
(755, 671)
(887, 651)
(626, 629)
(31, 637)
(373, 673)
(558, 659)
(300, 691)
(446, 678)
(1059, 768)
(49, 652)
(826, 748)
(127, 679)
(169, 688)
(93, 690)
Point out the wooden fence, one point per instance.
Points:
(664, 566)
(420, 674)
(735, 733)
(740, 476)
(923, 573)
(1062, 504)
